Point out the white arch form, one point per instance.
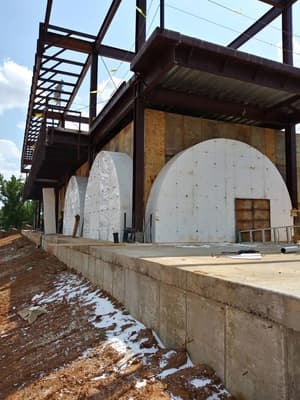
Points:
(108, 196)
(192, 199)
(74, 204)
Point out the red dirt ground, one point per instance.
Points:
(85, 345)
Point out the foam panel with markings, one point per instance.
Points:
(74, 204)
(108, 196)
(193, 197)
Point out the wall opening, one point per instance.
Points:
(253, 214)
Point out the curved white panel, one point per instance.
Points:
(192, 198)
(74, 204)
(108, 196)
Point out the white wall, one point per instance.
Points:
(192, 198)
(49, 210)
(108, 196)
(74, 204)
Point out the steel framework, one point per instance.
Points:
(64, 56)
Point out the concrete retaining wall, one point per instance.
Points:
(249, 335)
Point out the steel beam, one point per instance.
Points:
(275, 3)
(86, 47)
(197, 105)
(261, 23)
(66, 117)
(93, 87)
(107, 51)
(138, 207)
(162, 14)
(106, 23)
(290, 131)
(140, 24)
(48, 13)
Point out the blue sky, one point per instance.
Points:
(219, 21)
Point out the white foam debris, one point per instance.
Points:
(200, 382)
(100, 377)
(216, 396)
(140, 384)
(173, 397)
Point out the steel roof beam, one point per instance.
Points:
(83, 46)
(259, 25)
(58, 71)
(275, 3)
(62, 60)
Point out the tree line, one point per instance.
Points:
(14, 210)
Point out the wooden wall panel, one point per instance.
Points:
(155, 147)
(123, 142)
(83, 170)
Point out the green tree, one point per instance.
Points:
(15, 211)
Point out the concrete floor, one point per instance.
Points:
(275, 271)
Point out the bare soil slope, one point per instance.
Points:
(78, 343)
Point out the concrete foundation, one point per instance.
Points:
(240, 316)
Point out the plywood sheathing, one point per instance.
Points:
(183, 132)
(83, 170)
(155, 147)
(61, 199)
(123, 142)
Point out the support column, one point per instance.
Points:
(93, 87)
(140, 24)
(162, 14)
(49, 210)
(290, 131)
(138, 165)
(38, 223)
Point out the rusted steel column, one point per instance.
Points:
(290, 131)
(93, 87)
(138, 208)
(162, 14)
(140, 24)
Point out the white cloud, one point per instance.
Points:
(9, 159)
(15, 81)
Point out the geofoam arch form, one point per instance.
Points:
(74, 204)
(192, 199)
(108, 196)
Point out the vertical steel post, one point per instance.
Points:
(140, 24)
(162, 14)
(56, 208)
(138, 164)
(38, 222)
(93, 87)
(290, 131)
(138, 207)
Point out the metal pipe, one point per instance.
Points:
(290, 249)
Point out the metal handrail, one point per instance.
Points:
(274, 232)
